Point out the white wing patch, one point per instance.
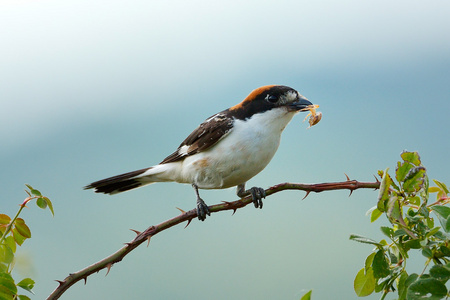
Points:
(183, 150)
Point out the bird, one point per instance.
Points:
(226, 150)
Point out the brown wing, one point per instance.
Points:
(203, 137)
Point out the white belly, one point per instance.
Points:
(242, 154)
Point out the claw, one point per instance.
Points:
(202, 210)
(257, 195)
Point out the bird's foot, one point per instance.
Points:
(202, 209)
(257, 194)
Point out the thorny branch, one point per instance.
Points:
(144, 236)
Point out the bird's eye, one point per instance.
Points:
(272, 98)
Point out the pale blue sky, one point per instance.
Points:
(91, 89)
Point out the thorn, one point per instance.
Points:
(376, 178)
(188, 222)
(182, 211)
(136, 231)
(108, 267)
(85, 280)
(351, 191)
(128, 244)
(234, 211)
(60, 282)
(307, 193)
(148, 240)
(348, 179)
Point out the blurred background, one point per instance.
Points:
(91, 89)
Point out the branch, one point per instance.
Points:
(189, 215)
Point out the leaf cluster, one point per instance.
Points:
(13, 232)
(404, 201)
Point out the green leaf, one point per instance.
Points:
(412, 157)
(27, 284)
(387, 231)
(433, 189)
(383, 194)
(393, 254)
(369, 261)
(414, 180)
(393, 208)
(3, 268)
(22, 228)
(445, 250)
(426, 288)
(35, 192)
(411, 278)
(441, 185)
(402, 170)
(380, 265)
(413, 244)
(7, 284)
(23, 297)
(430, 222)
(401, 286)
(399, 232)
(306, 296)
(6, 254)
(364, 240)
(49, 204)
(11, 243)
(376, 213)
(433, 231)
(440, 272)
(423, 210)
(443, 211)
(364, 283)
(443, 214)
(414, 200)
(426, 251)
(4, 219)
(6, 294)
(18, 237)
(41, 203)
(403, 250)
(408, 281)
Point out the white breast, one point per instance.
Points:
(242, 154)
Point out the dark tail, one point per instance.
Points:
(119, 183)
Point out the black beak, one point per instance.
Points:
(300, 104)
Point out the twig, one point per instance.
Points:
(144, 236)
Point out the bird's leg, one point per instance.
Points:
(202, 208)
(257, 194)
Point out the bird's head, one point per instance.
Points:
(267, 98)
